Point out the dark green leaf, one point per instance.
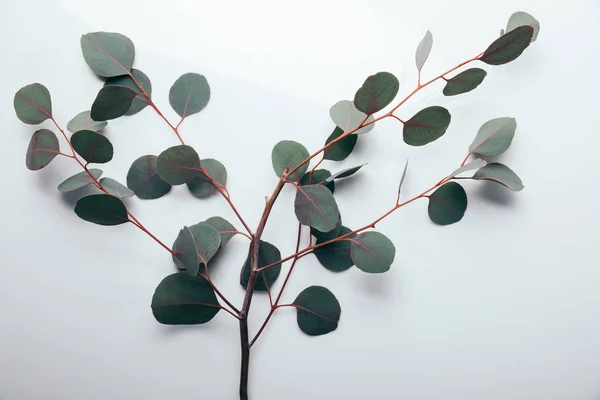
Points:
(267, 254)
(102, 209)
(189, 94)
(186, 251)
(83, 121)
(178, 165)
(143, 179)
(447, 204)
(79, 180)
(427, 125)
(475, 164)
(140, 101)
(345, 115)
(423, 50)
(345, 173)
(335, 256)
(318, 177)
(289, 154)
(92, 147)
(494, 137)
(181, 299)
(207, 241)
(326, 236)
(116, 188)
(202, 187)
(43, 147)
(464, 82)
(521, 18)
(315, 206)
(108, 54)
(376, 93)
(341, 149)
(226, 229)
(508, 46)
(500, 173)
(372, 252)
(112, 102)
(33, 104)
(318, 311)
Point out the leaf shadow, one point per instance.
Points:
(351, 183)
(376, 285)
(47, 177)
(71, 198)
(496, 194)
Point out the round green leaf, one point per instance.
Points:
(464, 82)
(447, 204)
(500, 173)
(426, 126)
(341, 149)
(200, 186)
(267, 254)
(181, 299)
(189, 94)
(143, 179)
(423, 50)
(108, 54)
(33, 104)
(186, 251)
(494, 137)
(92, 147)
(326, 236)
(345, 115)
(79, 180)
(140, 101)
(289, 154)
(376, 93)
(508, 46)
(335, 256)
(178, 165)
(84, 121)
(372, 252)
(318, 311)
(112, 102)
(102, 209)
(43, 147)
(315, 206)
(207, 241)
(345, 173)
(225, 228)
(521, 18)
(116, 188)
(318, 177)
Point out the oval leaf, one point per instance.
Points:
(143, 179)
(315, 206)
(207, 241)
(84, 121)
(508, 46)
(225, 228)
(92, 147)
(181, 299)
(372, 252)
(107, 53)
(345, 173)
(494, 137)
(327, 236)
(267, 254)
(376, 93)
(500, 173)
(447, 204)
(189, 94)
(403, 177)
(289, 154)
(186, 251)
(318, 311)
(473, 165)
(178, 165)
(43, 147)
(79, 180)
(116, 188)
(202, 187)
(342, 148)
(423, 50)
(345, 115)
(140, 101)
(521, 18)
(112, 102)
(102, 209)
(33, 104)
(426, 126)
(464, 82)
(318, 177)
(335, 256)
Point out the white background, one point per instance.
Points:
(501, 306)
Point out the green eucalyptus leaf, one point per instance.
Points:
(225, 228)
(318, 311)
(79, 180)
(494, 137)
(464, 82)
(318, 177)
(189, 94)
(181, 299)
(186, 251)
(508, 46)
(102, 209)
(143, 179)
(326, 236)
(345, 115)
(43, 147)
(342, 148)
(426, 126)
(84, 121)
(403, 176)
(108, 54)
(140, 101)
(423, 50)
(500, 173)
(345, 173)
(207, 242)
(267, 254)
(201, 186)
(289, 154)
(112, 102)
(372, 252)
(116, 188)
(92, 147)
(315, 206)
(376, 93)
(447, 205)
(471, 166)
(336, 256)
(178, 164)
(521, 18)
(33, 104)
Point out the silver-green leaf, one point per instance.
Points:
(315, 206)
(84, 120)
(473, 165)
(423, 50)
(500, 173)
(189, 94)
(521, 18)
(345, 116)
(108, 54)
(33, 104)
(494, 137)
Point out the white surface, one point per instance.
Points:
(503, 305)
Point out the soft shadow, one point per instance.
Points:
(377, 285)
(496, 193)
(351, 183)
(47, 178)
(71, 198)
